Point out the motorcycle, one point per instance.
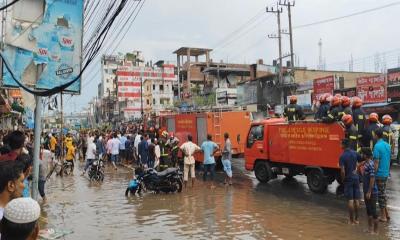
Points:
(169, 180)
(96, 171)
(67, 168)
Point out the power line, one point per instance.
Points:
(8, 5)
(347, 16)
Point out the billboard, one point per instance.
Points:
(52, 38)
(393, 94)
(372, 89)
(323, 85)
(393, 78)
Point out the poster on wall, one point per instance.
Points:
(372, 89)
(348, 92)
(53, 39)
(323, 85)
(393, 78)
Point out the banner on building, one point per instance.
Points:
(348, 92)
(48, 34)
(393, 79)
(323, 85)
(372, 89)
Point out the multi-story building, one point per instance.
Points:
(158, 91)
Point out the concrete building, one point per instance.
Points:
(158, 91)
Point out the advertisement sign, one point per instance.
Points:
(348, 92)
(393, 94)
(55, 41)
(393, 79)
(323, 85)
(372, 89)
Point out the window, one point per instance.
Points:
(154, 87)
(161, 87)
(154, 100)
(148, 102)
(256, 134)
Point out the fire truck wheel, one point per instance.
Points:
(263, 171)
(316, 181)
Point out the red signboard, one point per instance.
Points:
(393, 78)
(348, 92)
(372, 89)
(323, 85)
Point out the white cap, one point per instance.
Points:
(22, 210)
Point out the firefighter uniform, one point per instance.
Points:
(369, 134)
(322, 112)
(351, 133)
(344, 111)
(333, 115)
(388, 134)
(359, 120)
(294, 112)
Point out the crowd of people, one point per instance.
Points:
(368, 150)
(19, 213)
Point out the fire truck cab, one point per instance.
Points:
(276, 147)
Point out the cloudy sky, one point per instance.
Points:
(165, 25)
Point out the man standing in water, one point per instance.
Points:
(227, 158)
(348, 171)
(188, 149)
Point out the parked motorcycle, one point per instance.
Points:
(96, 170)
(169, 180)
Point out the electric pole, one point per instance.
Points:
(278, 12)
(289, 4)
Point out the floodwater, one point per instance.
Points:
(282, 209)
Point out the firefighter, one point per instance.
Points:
(323, 108)
(369, 132)
(163, 150)
(293, 111)
(358, 116)
(334, 111)
(172, 144)
(387, 130)
(346, 108)
(350, 131)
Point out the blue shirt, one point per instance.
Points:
(382, 152)
(369, 171)
(25, 192)
(123, 140)
(349, 160)
(208, 148)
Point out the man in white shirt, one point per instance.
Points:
(157, 152)
(90, 155)
(188, 149)
(136, 145)
(115, 150)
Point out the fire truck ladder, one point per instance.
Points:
(217, 127)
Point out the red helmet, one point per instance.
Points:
(335, 101)
(357, 102)
(171, 134)
(346, 101)
(347, 119)
(373, 117)
(324, 98)
(387, 120)
(293, 99)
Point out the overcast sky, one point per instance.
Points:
(165, 25)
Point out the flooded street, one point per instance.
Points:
(282, 209)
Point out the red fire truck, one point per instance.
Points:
(216, 123)
(276, 147)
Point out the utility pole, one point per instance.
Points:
(289, 4)
(141, 100)
(37, 137)
(279, 37)
(62, 129)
